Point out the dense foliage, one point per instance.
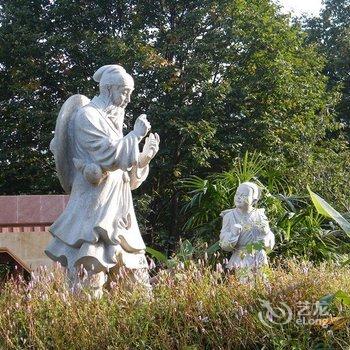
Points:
(331, 32)
(299, 228)
(216, 78)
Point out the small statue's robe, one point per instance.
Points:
(99, 221)
(255, 228)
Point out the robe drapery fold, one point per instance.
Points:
(99, 218)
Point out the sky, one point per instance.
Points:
(298, 7)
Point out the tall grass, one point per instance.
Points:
(193, 307)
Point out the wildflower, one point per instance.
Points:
(33, 276)
(219, 268)
(64, 297)
(85, 275)
(203, 319)
(305, 270)
(56, 266)
(122, 272)
(199, 305)
(198, 274)
(240, 311)
(30, 286)
(152, 265)
(267, 284)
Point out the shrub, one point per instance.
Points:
(300, 230)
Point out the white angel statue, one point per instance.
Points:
(99, 166)
(246, 233)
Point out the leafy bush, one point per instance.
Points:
(300, 230)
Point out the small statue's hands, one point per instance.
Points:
(150, 149)
(142, 126)
(262, 226)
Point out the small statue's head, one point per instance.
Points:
(115, 84)
(247, 195)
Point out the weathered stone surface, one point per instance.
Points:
(99, 166)
(246, 232)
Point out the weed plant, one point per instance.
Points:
(194, 306)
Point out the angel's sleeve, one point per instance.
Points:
(138, 175)
(110, 153)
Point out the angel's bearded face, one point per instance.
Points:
(119, 95)
(115, 112)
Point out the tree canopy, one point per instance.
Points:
(216, 78)
(331, 32)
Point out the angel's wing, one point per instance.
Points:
(61, 146)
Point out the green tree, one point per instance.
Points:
(27, 98)
(331, 31)
(216, 78)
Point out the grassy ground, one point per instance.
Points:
(193, 307)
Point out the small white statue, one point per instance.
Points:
(246, 233)
(99, 167)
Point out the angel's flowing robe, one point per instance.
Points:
(99, 221)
